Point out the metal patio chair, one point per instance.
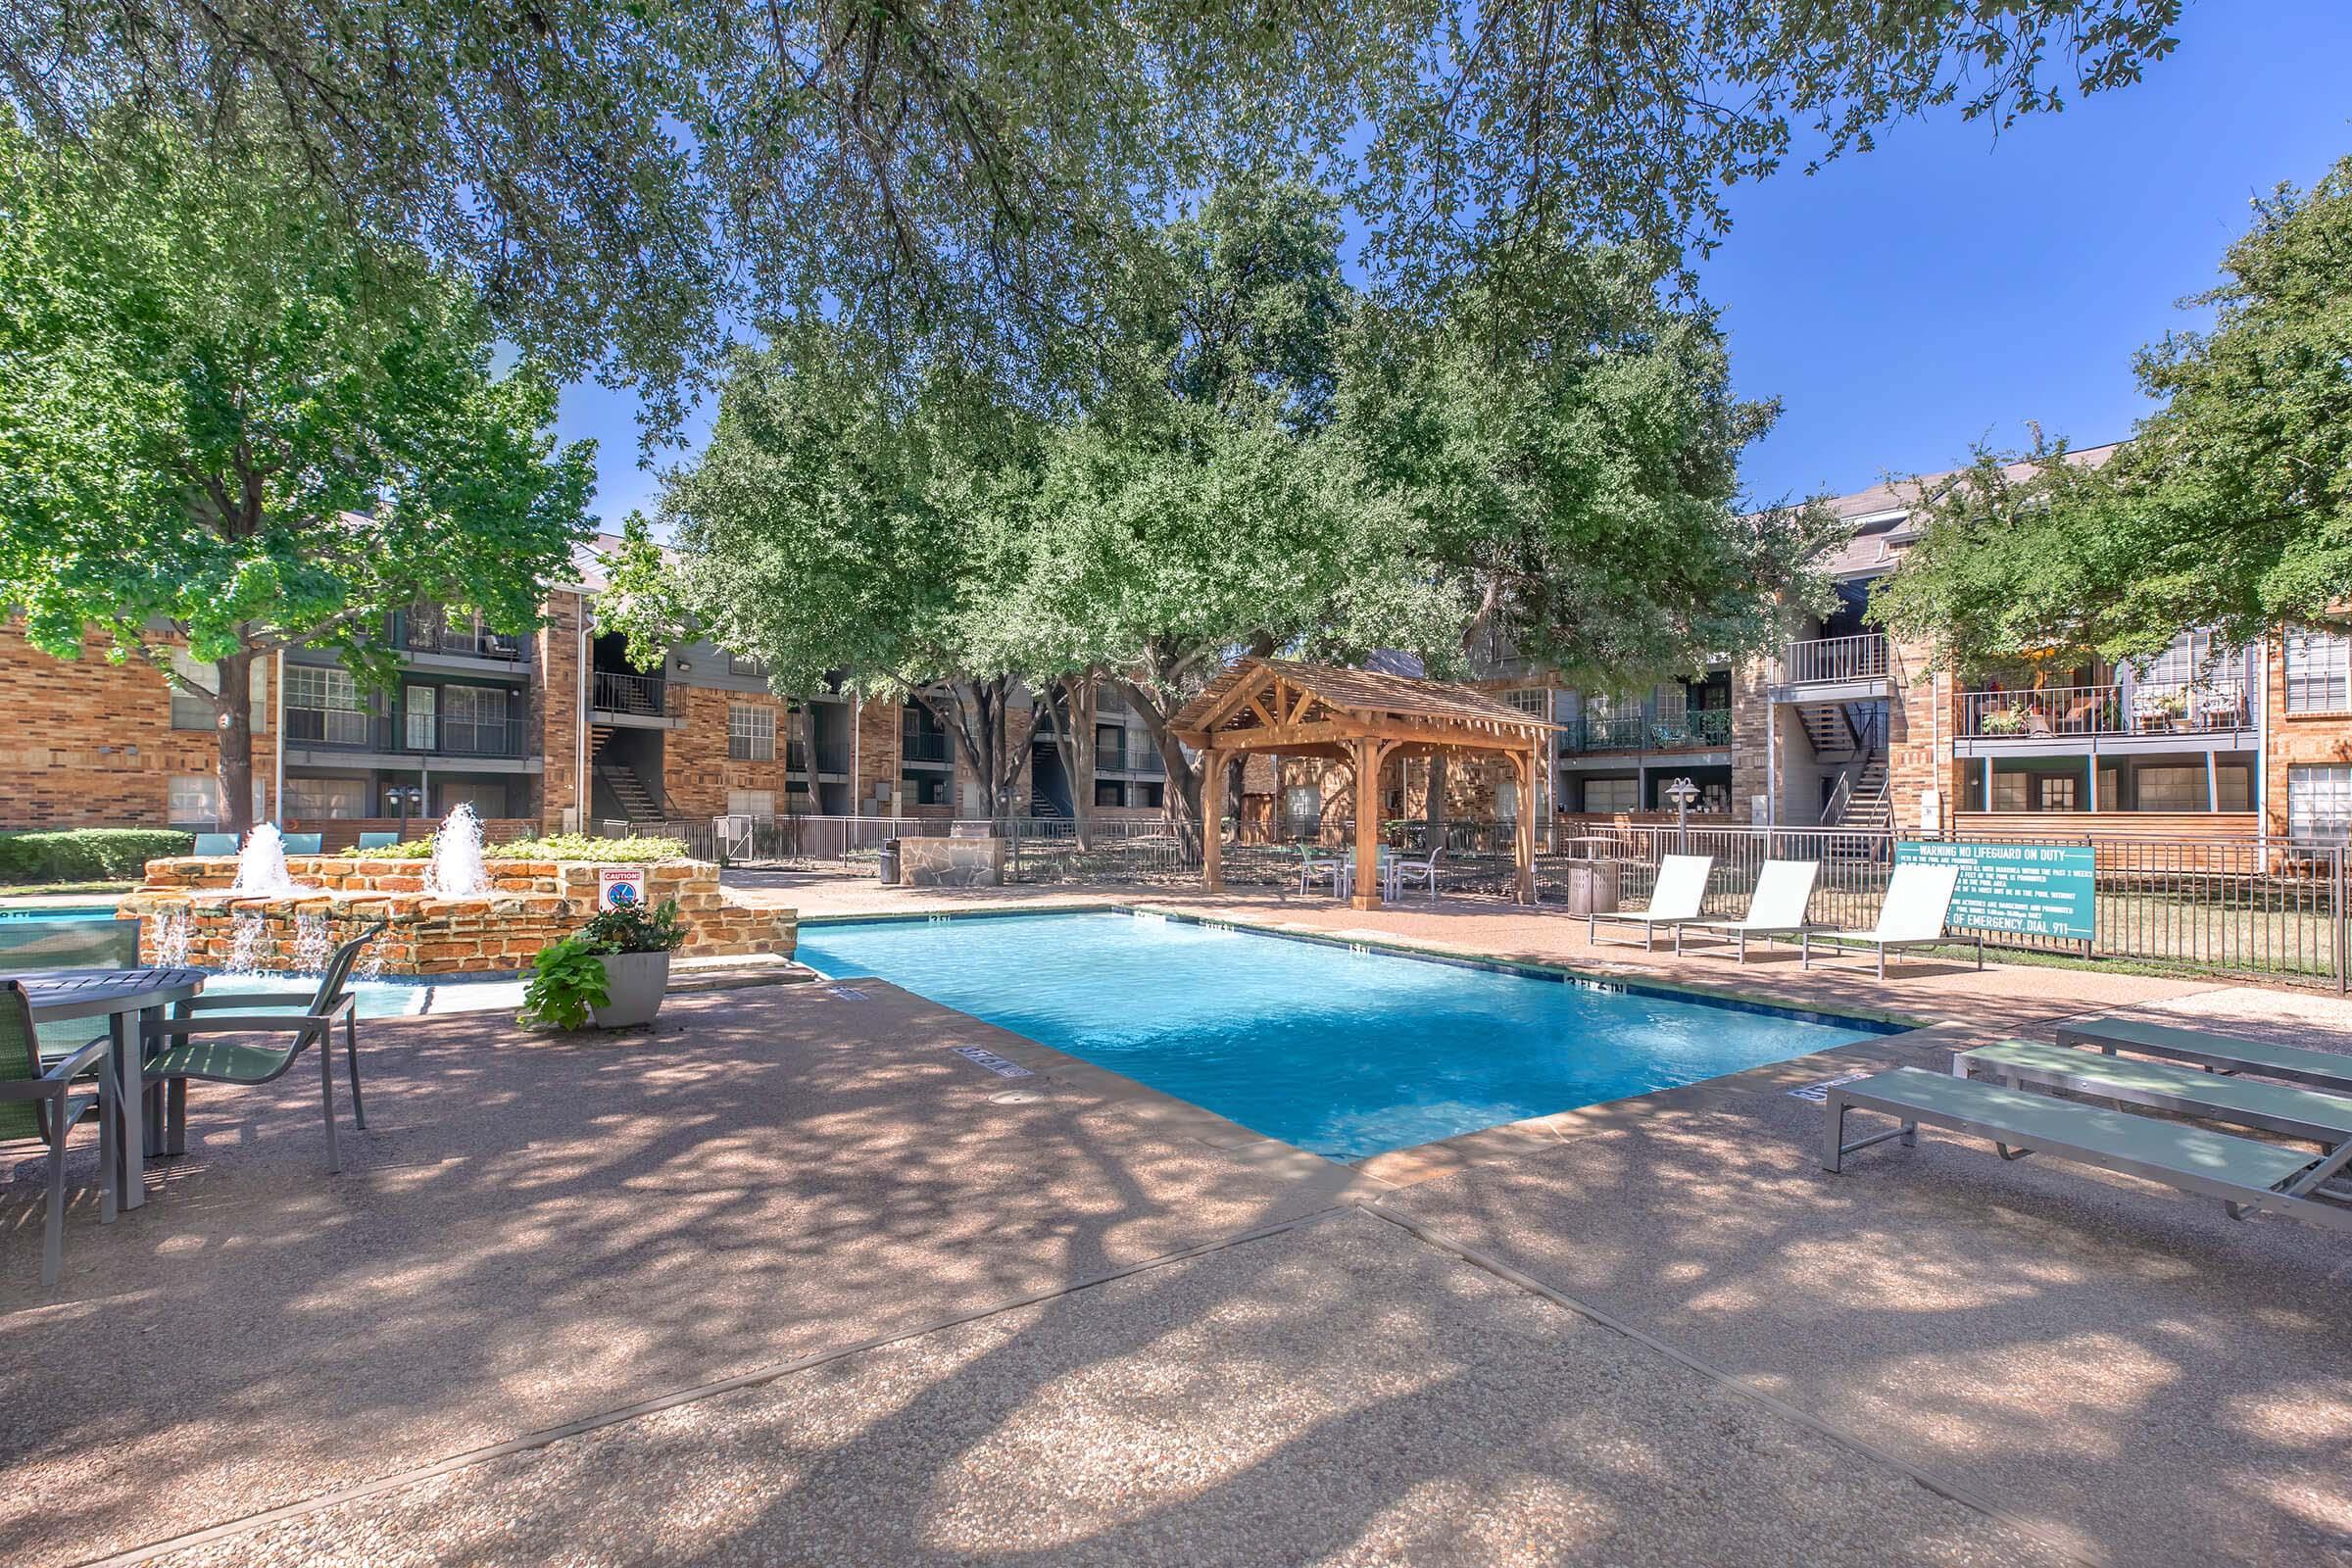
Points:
(378, 839)
(214, 844)
(183, 1046)
(44, 1101)
(304, 842)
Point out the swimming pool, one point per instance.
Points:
(1341, 1051)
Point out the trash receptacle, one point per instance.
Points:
(1590, 886)
(886, 869)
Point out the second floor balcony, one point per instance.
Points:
(1836, 660)
(416, 631)
(924, 745)
(625, 695)
(351, 729)
(2215, 706)
(1695, 728)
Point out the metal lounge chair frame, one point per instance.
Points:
(1681, 886)
(180, 1052)
(44, 1100)
(2218, 1053)
(1776, 909)
(2247, 1176)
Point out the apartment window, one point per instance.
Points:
(1109, 792)
(751, 733)
(759, 804)
(190, 712)
(1153, 795)
(2010, 792)
(323, 704)
(419, 704)
(1303, 808)
(2168, 789)
(338, 798)
(2055, 794)
(486, 798)
(2319, 805)
(1612, 794)
(739, 666)
(194, 801)
(2187, 660)
(1674, 701)
(2318, 671)
(925, 787)
(1110, 746)
(474, 721)
(1528, 700)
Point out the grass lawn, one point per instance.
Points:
(20, 889)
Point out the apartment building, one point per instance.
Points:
(548, 731)
(1847, 727)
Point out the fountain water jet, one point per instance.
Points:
(171, 939)
(456, 867)
(245, 943)
(313, 944)
(261, 865)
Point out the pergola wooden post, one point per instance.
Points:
(1212, 824)
(1360, 716)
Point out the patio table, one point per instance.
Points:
(127, 999)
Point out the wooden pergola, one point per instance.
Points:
(1361, 716)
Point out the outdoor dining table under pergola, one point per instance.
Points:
(1363, 718)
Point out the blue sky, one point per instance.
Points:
(1950, 285)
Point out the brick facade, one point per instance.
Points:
(554, 711)
(93, 743)
(697, 773)
(2296, 740)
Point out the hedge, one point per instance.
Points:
(86, 853)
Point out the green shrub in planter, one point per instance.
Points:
(566, 980)
(87, 853)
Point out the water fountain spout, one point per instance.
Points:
(261, 865)
(456, 866)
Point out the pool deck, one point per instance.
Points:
(790, 1281)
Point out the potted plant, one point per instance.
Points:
(612, 973)
(2005, 721)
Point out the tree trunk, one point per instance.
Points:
(1074, 744)
(233, 708)
(1184, 775)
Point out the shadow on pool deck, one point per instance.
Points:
(536, 1231)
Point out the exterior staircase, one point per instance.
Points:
(1867, 807)
(1831, 730)
(626, 787)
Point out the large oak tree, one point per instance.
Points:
(229, 427)
(619, 178)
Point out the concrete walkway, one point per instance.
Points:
(791, 1281)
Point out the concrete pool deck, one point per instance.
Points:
(790, 1281)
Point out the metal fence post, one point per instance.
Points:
(2336, 913)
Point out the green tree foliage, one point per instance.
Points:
(1563, 448)
(2230, 507)
(839, 522)
(225, 424)
(619, 177)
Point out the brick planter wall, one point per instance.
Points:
(531, 903)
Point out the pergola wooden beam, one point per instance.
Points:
(1369, 718)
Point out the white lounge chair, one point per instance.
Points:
(1784, 889)
(1674, 900)
(1917, 898)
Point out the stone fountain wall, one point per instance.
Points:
(531, 903)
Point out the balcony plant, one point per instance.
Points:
(2005, 721)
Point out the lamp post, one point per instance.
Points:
(1681, 791)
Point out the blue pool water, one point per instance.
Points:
(1347, 1054)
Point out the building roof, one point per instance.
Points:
(1880, 516)
(1358, 698)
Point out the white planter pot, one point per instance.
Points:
(633, 984)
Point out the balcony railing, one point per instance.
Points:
(1827, 660)
(1636, 732)
(644, 696)
(1145, 758)
(2188, 707)
(924, 746)
(351, 729)
(430, 634)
